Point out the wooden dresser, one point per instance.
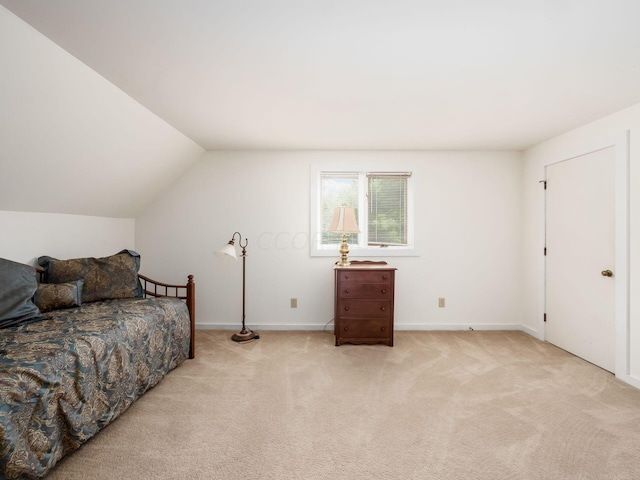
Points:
(364, 303)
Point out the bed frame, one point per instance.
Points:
(153, 288)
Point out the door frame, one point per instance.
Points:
(622, 330)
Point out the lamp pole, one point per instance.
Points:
(244, 276)
(245, 334)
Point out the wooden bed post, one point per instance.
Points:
(191, 306)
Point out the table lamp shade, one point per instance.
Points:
(344, 221)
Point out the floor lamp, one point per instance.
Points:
(229, 249)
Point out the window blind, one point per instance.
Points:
(387, 208)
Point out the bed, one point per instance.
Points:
(66, 373)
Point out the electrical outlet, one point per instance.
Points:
(441, 302)
(294, 303)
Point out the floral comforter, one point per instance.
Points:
(65, 378)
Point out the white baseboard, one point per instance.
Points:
(444, 327)
(534, 333)
(398, 327)
(219, 326)
(630, 379)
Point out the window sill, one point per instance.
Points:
(334, 251)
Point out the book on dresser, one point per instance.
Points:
(363, 308)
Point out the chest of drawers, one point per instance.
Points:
(364, 294)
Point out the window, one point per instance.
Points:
(383, 206)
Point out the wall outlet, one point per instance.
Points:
(294, 303)
(441, 302)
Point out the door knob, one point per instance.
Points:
(607, 273)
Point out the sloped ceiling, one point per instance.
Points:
(72, 142)
(358, 74)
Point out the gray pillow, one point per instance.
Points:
(18, 283)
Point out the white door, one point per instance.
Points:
(580, 223)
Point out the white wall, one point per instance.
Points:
(468, 230)
(579, 141)
(70, 141)
(27, 236)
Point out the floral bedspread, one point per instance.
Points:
(65, 378)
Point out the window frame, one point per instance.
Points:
(361, 249)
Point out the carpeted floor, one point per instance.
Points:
(438, 405)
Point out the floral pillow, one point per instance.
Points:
(104, 278)
(54, 296)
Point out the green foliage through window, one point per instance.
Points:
(387, 209)
(338, 190)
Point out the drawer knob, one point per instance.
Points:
(346, 329)
(346, 290)
(346, 277)
(346, 309)
(382, 329)
(384, 277)
(383, 308)
(384, 290)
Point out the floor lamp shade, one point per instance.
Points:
(228, 251)
(344, 222)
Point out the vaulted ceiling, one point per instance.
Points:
(358, 74)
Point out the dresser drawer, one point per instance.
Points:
(373, 329)
(364, 309)
(365, 290)
(363, 276)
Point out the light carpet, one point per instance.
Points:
(438, 405)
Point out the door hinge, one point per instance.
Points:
(545, 317)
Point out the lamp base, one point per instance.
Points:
(245, 335)
(344, 252)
